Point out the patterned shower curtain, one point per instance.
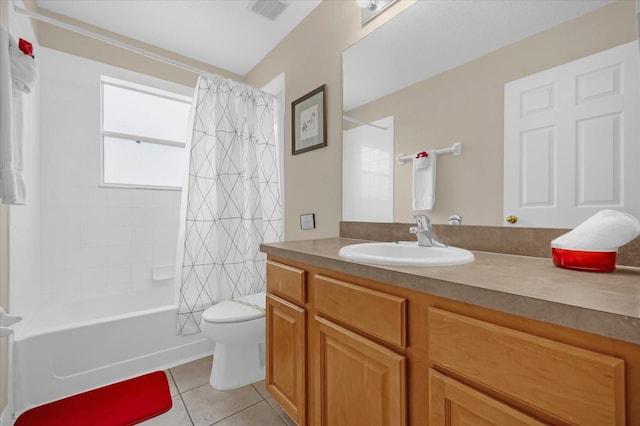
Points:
(233, 201)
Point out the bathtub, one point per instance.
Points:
(73, 346)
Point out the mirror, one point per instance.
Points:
(439, 69)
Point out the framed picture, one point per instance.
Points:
(309, 126)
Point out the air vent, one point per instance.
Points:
(268, 8)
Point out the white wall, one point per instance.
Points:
(95, 240)
(24, 221)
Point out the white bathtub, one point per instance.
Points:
(74, 346)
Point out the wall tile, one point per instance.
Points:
(94, 278)
(93, 216)
(118, 274)
(163, 198)
(164, 216)
(117, 236)
(142, 198)
(91, 257)
(119, 255)
(141, 272)
(119, 197)
(142, 216)
(141, 254)
(94, 196)
(118, 216)
(140, 235)
(164, 254)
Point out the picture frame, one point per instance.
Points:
(308, 121)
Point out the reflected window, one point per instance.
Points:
(375, 165)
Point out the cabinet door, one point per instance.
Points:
(358, 382)
(286, 356)
(453, 403)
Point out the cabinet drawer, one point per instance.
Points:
(378, 314)
(452, 402)
(286, 282)
(571, 384)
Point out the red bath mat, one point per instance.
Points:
(121, 404)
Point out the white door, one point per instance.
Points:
(572, 140)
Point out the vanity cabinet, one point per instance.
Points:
(348, 350)
(358, 381)
(354, 345)
(285, 339)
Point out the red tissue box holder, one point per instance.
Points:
(579, 260)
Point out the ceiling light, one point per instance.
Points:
(369, 9)
(368, 4)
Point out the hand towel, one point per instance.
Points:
(12, 186)
(604, 231)
(424, 182)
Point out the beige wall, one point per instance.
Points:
(464, 104)
(311, 55)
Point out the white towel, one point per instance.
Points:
(424, 182)
(605, 230)
(12, 187)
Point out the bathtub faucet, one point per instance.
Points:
(424, 233)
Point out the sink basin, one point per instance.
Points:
(406, 254)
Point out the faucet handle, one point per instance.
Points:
(422, 220)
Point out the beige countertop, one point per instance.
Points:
(607, 304)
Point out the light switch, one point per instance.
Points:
(307, 221)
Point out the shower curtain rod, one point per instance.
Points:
(111, 41)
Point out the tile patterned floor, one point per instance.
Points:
(196, 403)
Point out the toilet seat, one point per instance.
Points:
(236, 310)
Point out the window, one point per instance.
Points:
(144, 133)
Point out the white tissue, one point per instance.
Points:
(604, 231)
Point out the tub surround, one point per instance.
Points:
(606, 304)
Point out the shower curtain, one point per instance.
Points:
(233, 200)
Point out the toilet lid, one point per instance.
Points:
(239, 309)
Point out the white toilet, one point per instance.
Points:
(238, 329)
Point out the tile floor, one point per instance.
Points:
(196, 403)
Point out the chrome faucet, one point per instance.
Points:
(424, 233)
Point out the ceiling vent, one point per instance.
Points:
(268, 8)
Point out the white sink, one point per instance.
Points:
(406, 253)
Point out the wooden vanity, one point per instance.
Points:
(353, 344)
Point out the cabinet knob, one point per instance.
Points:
(512, 219)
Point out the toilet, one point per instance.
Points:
(238, 329)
